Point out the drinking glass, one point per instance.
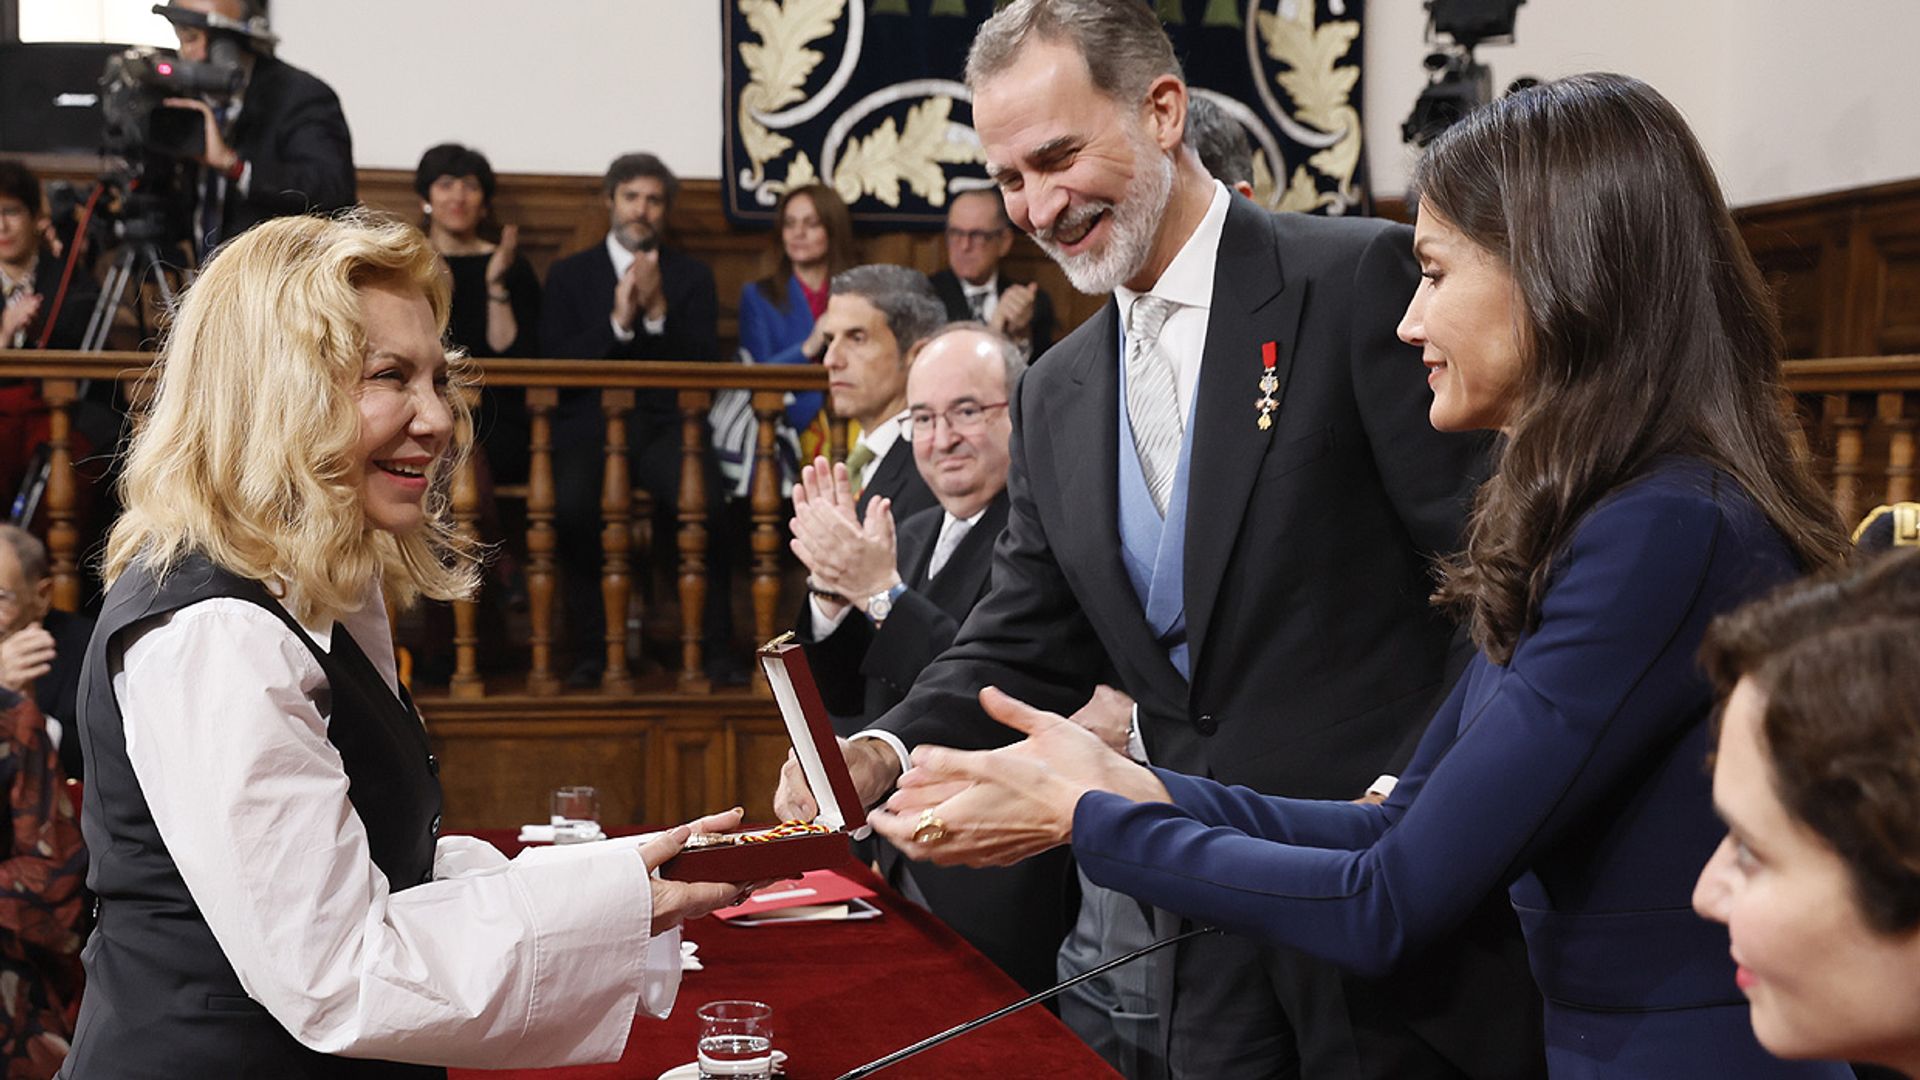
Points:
(736, 1040)
(576, 814)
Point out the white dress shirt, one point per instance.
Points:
(988, 289)
(541, 960)
(1187, 281)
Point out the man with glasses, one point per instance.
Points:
(40, 646)
(978, 238)
(886, 601)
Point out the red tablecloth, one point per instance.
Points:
(844, 994)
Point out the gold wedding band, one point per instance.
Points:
(929, 828)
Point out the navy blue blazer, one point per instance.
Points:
(773, 335)
(1574, 775)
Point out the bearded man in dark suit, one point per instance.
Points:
(1224, 489)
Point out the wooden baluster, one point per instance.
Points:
(1849, 443)
(63, 535)
(616, 503)
(694, 405)
(1894, 414)
(767, 406)
(466, 681)
(540, 539)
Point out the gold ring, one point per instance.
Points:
(929, 828)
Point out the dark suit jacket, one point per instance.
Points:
(575, 316)
(1016, 915)
(952, 294)
(899, 479)
(1572, 774)
(1313, 649)
(293, 134)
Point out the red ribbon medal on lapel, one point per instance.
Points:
(1269, 383)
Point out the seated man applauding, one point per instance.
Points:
(886, 603)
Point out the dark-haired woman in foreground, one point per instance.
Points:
(1586, 294)
(1818, 777)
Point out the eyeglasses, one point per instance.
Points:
(966, 418)
(974, 236)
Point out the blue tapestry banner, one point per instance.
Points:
(866, 95)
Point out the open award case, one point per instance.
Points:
(791, 849)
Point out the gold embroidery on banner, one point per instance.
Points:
(778, 66)
(1321, 89)
(878, 164)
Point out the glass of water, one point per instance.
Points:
(736, 1040)
(575, 814)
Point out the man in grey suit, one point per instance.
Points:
(1224, 491)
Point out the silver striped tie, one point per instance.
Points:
(1153, 409)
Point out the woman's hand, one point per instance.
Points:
(503, 255)
(674, 902)
(997, 807)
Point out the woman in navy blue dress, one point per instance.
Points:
(1586, 294)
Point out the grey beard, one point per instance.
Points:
(1134, 220)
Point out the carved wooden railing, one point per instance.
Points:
(1859, 414)
(620, 382)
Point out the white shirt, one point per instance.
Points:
(622, 259)
(990, 287)
(1187, 281)
(880, 440)
(542, 960)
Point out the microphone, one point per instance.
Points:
(932, 1041)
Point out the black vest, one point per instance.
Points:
(161, 1000)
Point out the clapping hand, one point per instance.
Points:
(17, 316)
(1013, 314)
(501, 262)
(26, 655)
(842, 553)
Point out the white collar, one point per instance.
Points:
(1188, 279)
(991, 286)
(622, 258)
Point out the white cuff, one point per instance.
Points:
(654, 327)
(823, 623)
(1383, 786)
(888, 737)
(245, 184)
(622, 334)
(1136, 746)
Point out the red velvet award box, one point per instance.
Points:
(791, 849)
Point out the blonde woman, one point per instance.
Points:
(262, 806)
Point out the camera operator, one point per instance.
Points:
(276, 146)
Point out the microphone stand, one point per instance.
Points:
(932, 1041)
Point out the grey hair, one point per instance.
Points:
(28, 549)
(1122, 41)
(905, 298)
(1010, 355)
(991, 194)
(1223, 146)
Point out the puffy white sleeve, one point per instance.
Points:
(540, 960)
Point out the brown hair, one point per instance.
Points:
(1834, 658)
(1649, 331)
(839, 224)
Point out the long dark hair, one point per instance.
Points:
(1649, 331)
(839, 224)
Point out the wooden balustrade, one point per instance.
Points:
(620, 384)
(1859, 415)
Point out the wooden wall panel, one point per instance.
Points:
(1846, 267)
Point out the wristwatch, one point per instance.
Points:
(880, 604)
